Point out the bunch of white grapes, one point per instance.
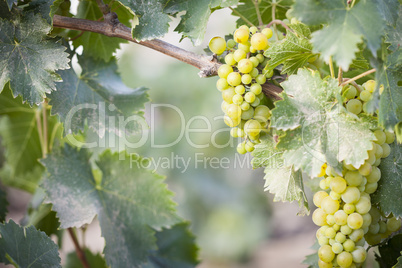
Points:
(346, 217)
(240, 81)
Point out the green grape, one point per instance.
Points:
(249, 97)
(326, 254)
(239, 54)
(260, 58)
(259, 41)
(240, 89)
(234, 111)
(366, 220)
(261, 79)
(231, 43)
(324, 185)
(269, 73)
(334, 196)
(256, 88)
(349, 208)
(377, 162)
(267, 32)
(378, 150)
(349, 245)
(370, 85)
(390, 137)
(241, 35)
(256, 102)
(374, 176)
(231, 122)
(229, 59)
(380, 135)
(245, 106)
(354, 106)
(365, 169)
(336, 227)
(341, 217)
(245, 27)
(386, 150)
(252, 127)
(227, 95)
(253, 29)
(323, 241)
(372, 157)
(375, 214)
(241, 148)
(261, 96)
(363, 206)
(349, 92)
(393, 224)
(344, 259)
(329, 205)
(373, 239)
(318, 197)
(353, 178)
(240, 133)
(217, 45)
(371, 187)
(246, 79)
(374, 228)
(245, 66)
(330, 220)
(234, 132)
(355, 220)
(383, 227)
(249, 146)
(359, 255)
(224, 106)
(356, 235)
(340, 237)
(350, 195)
(337, 248)
(237, 99)
(348, 166)
(254, 73)
(224, 70)
(252, 49)
(323, 264)
(365, 95)
(234, 79)
(244, 46)
(338, 185)
(247, 114)
(346, 230)
(262, 113)
(222, 84)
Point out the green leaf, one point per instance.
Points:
(27, 247)
(394, 33)
(388, 195)
(389, 10)
(280, 179)
(247, 9)
(95, 45)
(4, 12)
(399, 262)
(346, 27)
(3, 205)
(93, 260)
(318, 129)
(152, 21)
(129, 201)
(46, 8)
(391, 251)
(194, 22)
(19, 133)
(95, 96)
(176, 248)
(28, 58)
(10, 3)
(311, 260)
(293, 51)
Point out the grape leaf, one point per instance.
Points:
(20, 138)
(95, 45)
(394, 34)
(129, 201)
(293, 51)
(4, 12)
(247, 9)
(27, 247)
(93, 260)
(194, 22)
(152, 21)
(10, 3)
(46, 8)
(389, 187)
(389, 10)
(3, 205)
(28, 58)
(318, 129)
(96, 95)
(345, 27)
(280, 179)
(176, 248)
(399, 262)
(311, 260)
(391, 251)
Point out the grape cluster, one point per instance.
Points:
(346, 217)
(240, 81)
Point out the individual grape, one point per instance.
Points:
(390, 137)
(249, 97)
(323, 240)
(365, 169)
(217, 45)
(245, 106)
(326, 254)
(267, 32)
(244, 46)
(372, 158)
(337, 248)
(356, 235)
(318, 197)
(350, 92)
(247, 114)
(245, 66)
(253, 29)
(349, 208)
(260, 79)
(260, 58)
(234, 132)
(246, 79)
(393, 224)
(255, 61)
(338, 185)
(237, 99)
(377, 162)
(370, 85)
(245, 27)
(348, 166)
(231, 43)
(241, 35)
(351, 195)
(241, 148)
(380, 135)
(231, 122)
(346, 230)
(374, 228)
(374, 176)
(341, 217)
(259, 41)
(239, 54)
(373, 239)
(222, 84)
(344, 259)
(383, 227)
(334, 196)
(365, 95)
(355, 220)
(359, 255)
(322, 264)
(366, 220)
(363, 206)
(354, 106)
(336, 227)
(378, 150)
(249, 146)
(252, 127)
(234, 79)
(256, 88)
(340, 237)
(262, 113)
(353, 178)
(349, 245)
(371, 187)
(224, 70)
(256, 102)
(229, 59)
(324, 185)
(386, 150)
(254, 73)
(224, 106)
(240, 89)
(330, 220)
(329, 205)
(227, 95)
